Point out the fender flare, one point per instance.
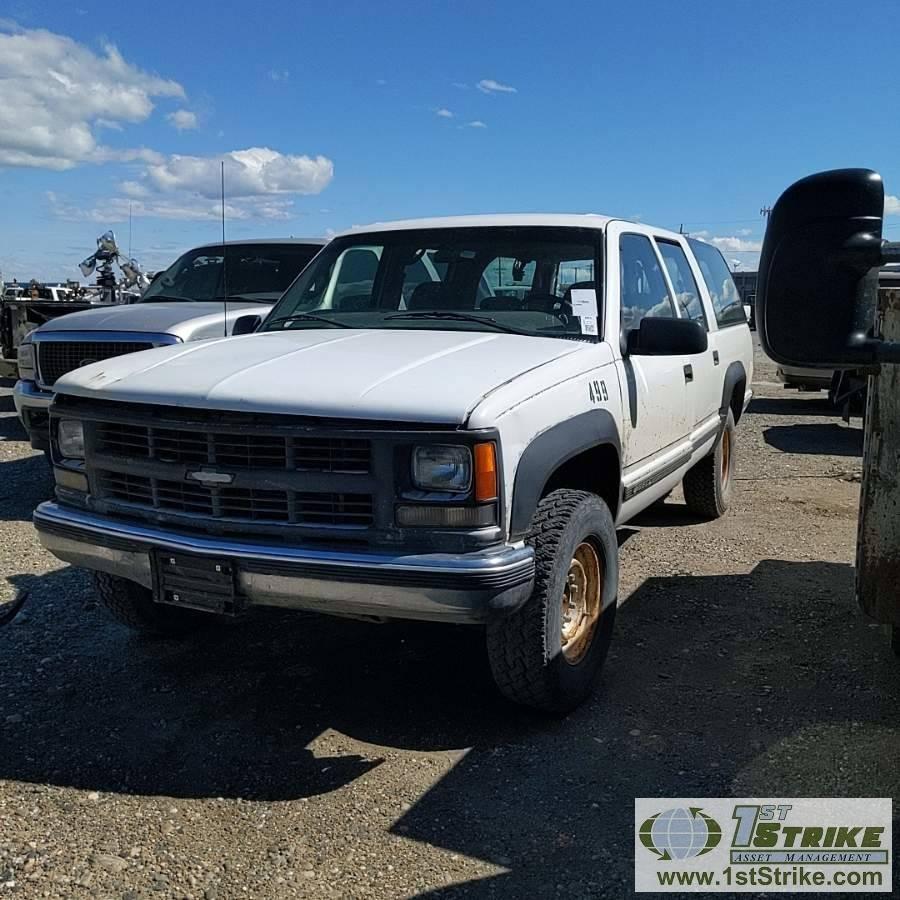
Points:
(734, 374)
(548, 451)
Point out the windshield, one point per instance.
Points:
(256, 271)
(519, 280)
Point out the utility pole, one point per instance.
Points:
(765, 212)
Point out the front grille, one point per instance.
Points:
(55, 358)
(237, 504)
(235, 450)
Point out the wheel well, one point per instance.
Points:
(737, 399)
(595, 470)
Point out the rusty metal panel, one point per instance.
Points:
(878, 542)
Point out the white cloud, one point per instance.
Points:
(891, 205)
(444, 113)
(730, 243)
(182, 119)
(489, 86)
(133, 189)
(476, 123)
(55, 93)
(253, 172)
(193, 209)
(279, 74)
(459, 84)
(734, 244)
(381, 82)
(258, 185)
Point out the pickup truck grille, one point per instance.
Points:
(56, 358)
(237, 504)
(235, 450)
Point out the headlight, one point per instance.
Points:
(70, 439)
(442, 468)
(25, 360)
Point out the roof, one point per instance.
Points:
(498, 220)
(317, 241)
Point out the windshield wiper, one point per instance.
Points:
(164, 298)
(307, 317)
(459, 317)
(249, 298)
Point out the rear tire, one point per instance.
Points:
(548, 654)
(708, 486)
(132, 605)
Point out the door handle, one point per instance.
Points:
(688, 373)
(715, 357)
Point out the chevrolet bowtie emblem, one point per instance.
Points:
(210, 477)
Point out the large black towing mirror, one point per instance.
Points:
(818, 272)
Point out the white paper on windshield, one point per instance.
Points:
(589, 325)
(584, 302)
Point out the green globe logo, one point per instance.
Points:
(681, 833)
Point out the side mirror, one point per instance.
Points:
(246, 325)
(667, 337)
(818, 271)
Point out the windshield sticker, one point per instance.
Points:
(584, 302)
(588, 324)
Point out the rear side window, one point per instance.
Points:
(726, 299)
(643, 288)
(687, 294)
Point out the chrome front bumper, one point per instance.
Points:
(33, 405)
(471, 587)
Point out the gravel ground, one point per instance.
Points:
(298, 756)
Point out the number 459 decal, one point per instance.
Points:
(598, 392)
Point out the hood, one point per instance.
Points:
(159, 318)
(403, 375)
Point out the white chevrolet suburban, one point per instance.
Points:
(441, 419)
(191, 300)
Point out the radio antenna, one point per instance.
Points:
(224, 258)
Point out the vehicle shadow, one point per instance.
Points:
(229, 712)
(793, 405)
(832, 439)
(666, 515)
(690, 705)
(770, 683)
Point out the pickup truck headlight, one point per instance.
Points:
(25, 360)
(442, 467)
(70, 439)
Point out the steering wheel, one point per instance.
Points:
(549, 304)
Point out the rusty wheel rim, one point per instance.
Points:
(726, 457)
(581, 602)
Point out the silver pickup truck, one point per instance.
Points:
(194, 298)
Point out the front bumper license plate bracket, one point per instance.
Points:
(196, 582)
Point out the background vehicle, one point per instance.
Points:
(402, 439)
(196, 297)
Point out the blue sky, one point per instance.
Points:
(696, 113)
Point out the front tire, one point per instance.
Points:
(708, 485)
(548, 654)
(132, 605)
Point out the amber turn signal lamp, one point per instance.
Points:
(486, 471)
